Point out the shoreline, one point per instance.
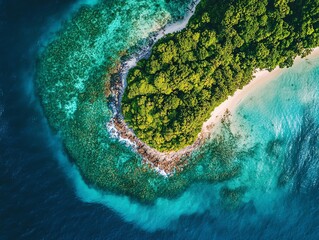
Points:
(260, 78)
(167, 163)
(146, 50)
(163, 163)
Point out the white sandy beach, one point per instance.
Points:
(261, 78)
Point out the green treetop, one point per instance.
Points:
(189, 73)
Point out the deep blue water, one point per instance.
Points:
(38, 200)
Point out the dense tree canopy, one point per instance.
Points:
(189, 73)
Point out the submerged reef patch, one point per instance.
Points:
(72, 74)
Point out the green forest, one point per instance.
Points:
(170, 94)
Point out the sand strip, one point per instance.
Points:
(261, 78)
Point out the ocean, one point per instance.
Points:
(43, 196)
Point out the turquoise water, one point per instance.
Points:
(277, 120)
(268, 149)
(72, 76)
(273, 147)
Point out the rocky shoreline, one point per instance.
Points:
(166, 163)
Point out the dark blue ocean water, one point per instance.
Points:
(39, 201)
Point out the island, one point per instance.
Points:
(171, 94)
(139, 134)
(164, 101)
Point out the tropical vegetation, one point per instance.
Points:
(189, 73)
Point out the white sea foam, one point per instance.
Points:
(115, 134)
(161, 171)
